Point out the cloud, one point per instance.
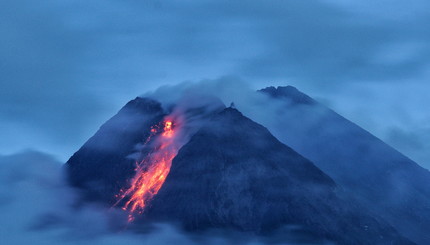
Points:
(42, 89)
(68, 66)
(37, 206)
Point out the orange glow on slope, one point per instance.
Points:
(151, 172)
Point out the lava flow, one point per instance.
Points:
(152, 171)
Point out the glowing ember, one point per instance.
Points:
(151, 172)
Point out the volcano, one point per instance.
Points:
(228, 172)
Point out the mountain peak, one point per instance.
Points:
(231, 112)
(143, 104)
(289, 92)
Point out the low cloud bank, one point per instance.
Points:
(37, 207)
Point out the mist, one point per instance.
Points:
(37, 206)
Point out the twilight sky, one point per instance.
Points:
(67, 66)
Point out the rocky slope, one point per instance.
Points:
(377, 176)
(103, 165)
(232, 174)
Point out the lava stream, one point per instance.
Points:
(151, 172)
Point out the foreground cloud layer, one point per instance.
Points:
(37, 207)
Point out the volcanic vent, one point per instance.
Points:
(229, 173)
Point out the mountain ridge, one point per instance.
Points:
(105, 164)
(379, 176)
(292, 191)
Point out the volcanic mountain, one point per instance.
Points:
(229, 172)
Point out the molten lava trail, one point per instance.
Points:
(152, 171)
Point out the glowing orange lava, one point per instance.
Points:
(168, 131)
(151, 172)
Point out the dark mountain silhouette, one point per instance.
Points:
(376, 175)
(232, 174)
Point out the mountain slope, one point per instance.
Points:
(379, 177)
(234, 174)
(102, 166)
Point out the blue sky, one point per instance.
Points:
(67, 66)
